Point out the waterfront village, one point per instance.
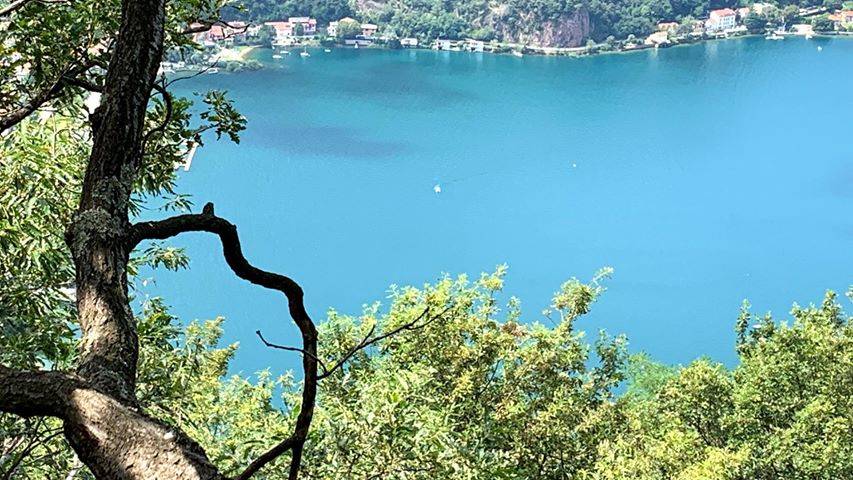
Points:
(227, 44)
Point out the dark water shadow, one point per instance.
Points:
(321, 140)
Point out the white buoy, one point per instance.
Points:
(436, 188)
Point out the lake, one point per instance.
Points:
(704, 175)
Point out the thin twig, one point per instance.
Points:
(368, 341)
(290, 349)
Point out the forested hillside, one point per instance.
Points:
(541, 22)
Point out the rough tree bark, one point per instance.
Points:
(97, 402)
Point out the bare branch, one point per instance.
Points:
(368, 340)
(207, 221)
(289, 349)
(206, 25)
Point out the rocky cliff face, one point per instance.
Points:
(568, 30)
(510, 21)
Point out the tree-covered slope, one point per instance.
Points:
(539, 22)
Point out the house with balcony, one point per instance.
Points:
(721, 20)
(283, 32)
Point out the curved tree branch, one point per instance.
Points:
(17, 115)
(50, 92)
(168, 105)
(36, 393)
(207, 221)
(18, 4)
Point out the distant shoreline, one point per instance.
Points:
(242, 55)
(573, 52)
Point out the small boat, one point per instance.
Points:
(436, 188)
(809, 36)
(304, 54)
(517, 53)
(774, 36)
(356, 44)
(819, 48)
(276, 56)
(212, 71)
(328, 50)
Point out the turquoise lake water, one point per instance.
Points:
(703, 175)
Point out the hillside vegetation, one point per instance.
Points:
(539, 22)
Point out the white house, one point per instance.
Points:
(721, 20)
(283, 32)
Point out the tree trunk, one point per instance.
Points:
(102, 422)
(97, 402)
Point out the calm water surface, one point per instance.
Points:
(704, 175)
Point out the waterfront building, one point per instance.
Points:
(368, 30)
(445, 44)
(332, 29)
(309, 25)
(474, 45)
(283, 32)
(410, 42)
(358, 41)
(847, 17)
(657, 38)
(721, 20)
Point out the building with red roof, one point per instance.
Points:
(721, 19)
